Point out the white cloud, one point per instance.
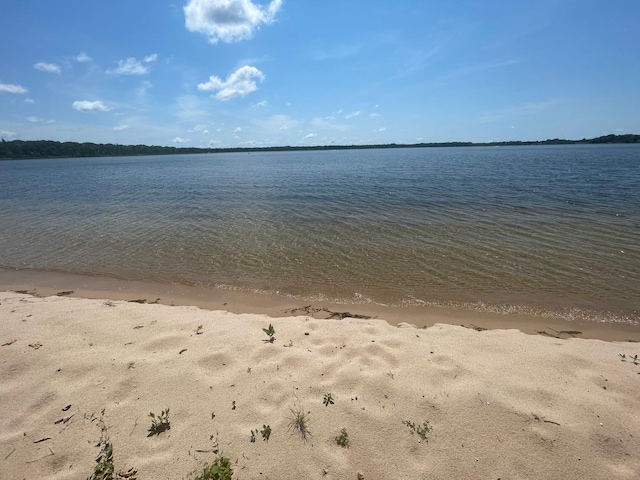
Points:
(82, 57)
(199, 129)
(48, 67)
(178, 140)
(8, 133)
(131, 66)
(373, 115)
(119, 128)
(29, 100)
(238, 84)
(237, 129)
(87, 106)
(34, 119)
(228, 20)
(309, 135)
(381, 129)
(263, 103)
(352, 115)
(10, 88)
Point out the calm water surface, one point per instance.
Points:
(545, 228)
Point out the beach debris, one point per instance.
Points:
(64, 409)
(64, 294)
(309, 310)
(10, 342)
(182, 351)
(42, 440)
(35, 346)
(198, 330)
(139, 300)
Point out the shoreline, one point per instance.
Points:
(43, 283)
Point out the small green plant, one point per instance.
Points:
(104, 469)
(634, 359)
(270, 332)
(420, 430)
(233, 405)
(343, 438)
(299, 422)
(159, 423)
(265, 432)
(199, 330)
(220, 469)
(253, 435)
(328, 399)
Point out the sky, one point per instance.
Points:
(258, 73)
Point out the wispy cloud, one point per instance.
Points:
(238, 84)
(11, 88)
(325, 124)
(120, 128)
(82, 57)
(88, 106)
(352, 115)
(517, 111)
(132, 66)
(48, 67)
(228, 20)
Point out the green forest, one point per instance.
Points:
(19, 149)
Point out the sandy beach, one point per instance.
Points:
(440, 402)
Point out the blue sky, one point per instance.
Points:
(227, 73)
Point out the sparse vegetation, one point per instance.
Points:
(635, 359)
(198, 330)
(220, 469)
(328, 399)
(253, 436)
(299, 422)
(420, 430)
(265, 432)
(159, 423)
(270, 332)
(343, 439)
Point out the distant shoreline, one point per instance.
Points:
(37, 149)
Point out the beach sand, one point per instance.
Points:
(500, 404)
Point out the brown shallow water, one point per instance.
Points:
(236, 301)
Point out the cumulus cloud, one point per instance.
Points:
(228, 20)
(10, 88)
(132, 66)
(87, 106)
(82, 57)
(178, 140)
(48, 67)
(119, 128)
(238, 84)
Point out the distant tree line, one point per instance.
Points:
(19, 149)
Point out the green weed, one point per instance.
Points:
(159, 423)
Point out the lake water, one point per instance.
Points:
(543, 228)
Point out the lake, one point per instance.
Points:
(531, 228)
